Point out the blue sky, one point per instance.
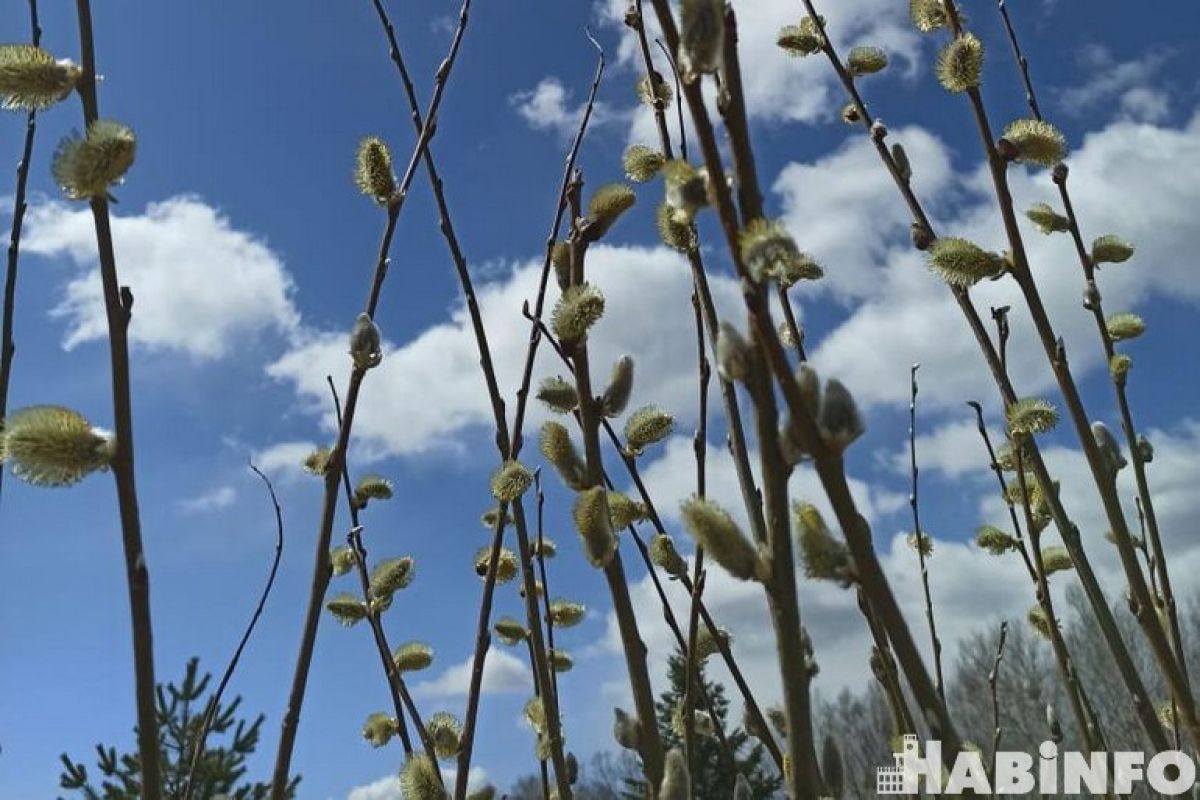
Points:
(249, 253)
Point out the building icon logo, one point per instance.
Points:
(900, 778)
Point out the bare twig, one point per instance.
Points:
(914, 503)
(118, 303)
(7, 347)
(993, 680)
(215, 701)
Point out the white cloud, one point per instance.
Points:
(217, 499)
(549, 107)
(778, 86)
(952, 449)
(285, 458)
(388, 787)
(503, 673)
(844, 209)
(1133, 89)
(1130, 179)
(433, 382)
(670, 478)
(200, 285)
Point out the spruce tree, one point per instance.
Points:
(181, 710)
(712, 780)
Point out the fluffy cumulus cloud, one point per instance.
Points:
(503, 673)
(1129, 179)
(201, 285)
(433, 381)
(552, 106)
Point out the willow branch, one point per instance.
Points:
(919, 533)
(1095, 305)
(649, 741)
(700, 446)
(752, 707)
(1055, 351)
(401, 699)
(7, 346)
(118, 304)
(1067, 529)
(1089, 724)
(738, 447)
(214, 702)
(321, 573)
(507, 449)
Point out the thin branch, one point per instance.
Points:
(649, 741)
(401, 699)
(993, 680)
(1022, 62)
(539, 517)
(919, 533)
(1067, 529)
(7, 347)
(1095, 305)
(215, 701)
(508, 447)
(321, 572)
(118, 303)
(700, 447)
(1055, 351)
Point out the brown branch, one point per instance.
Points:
(7, 347)
(649, 741)
(215, 701)
(401, 699)
(700, 446)
(1055, 351)
(993, 680)
(914, 504)
(118, 302)
(507, 449)
(1095, 305)
(1067, 529)
(539, 517)
(321, 573)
